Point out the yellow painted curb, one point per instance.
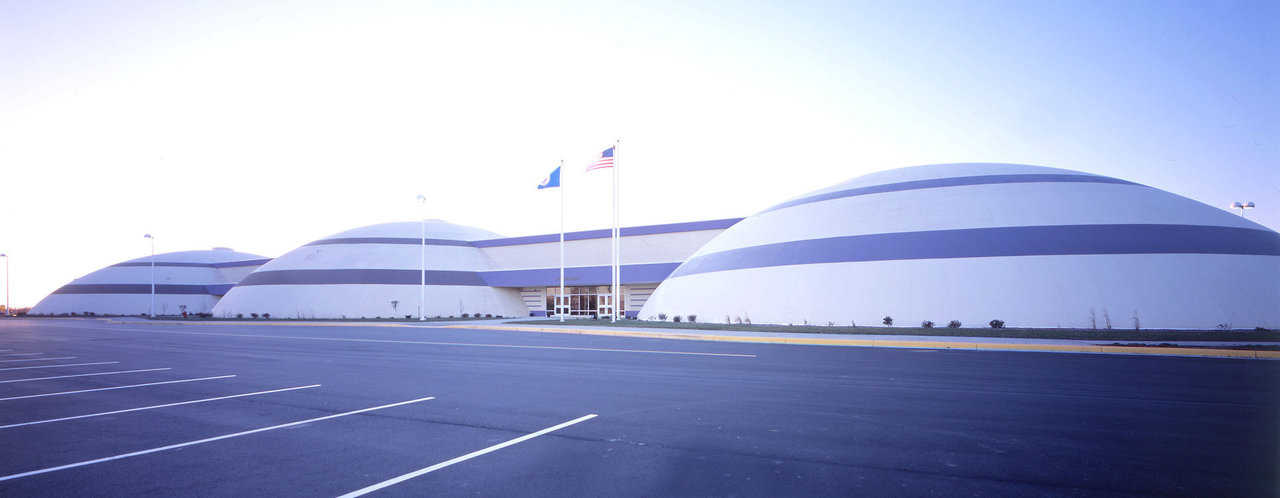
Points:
(941, 344)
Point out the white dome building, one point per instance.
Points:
(1032, 246)
(190, 281)
(375, 271)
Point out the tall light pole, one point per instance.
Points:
(1242, 206)
(7, 311)
(151, 312)
(422, 289)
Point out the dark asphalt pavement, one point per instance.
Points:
(766, 420)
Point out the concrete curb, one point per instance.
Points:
(983, 346)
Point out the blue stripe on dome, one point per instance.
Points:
(229, 264)
(957, 181)
(136, 289)
(995, 242)
(691, 226)
(361, 276)
(540, 277)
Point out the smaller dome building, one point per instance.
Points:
(190, 281)
(375, 272)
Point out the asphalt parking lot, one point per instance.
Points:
(90, 407)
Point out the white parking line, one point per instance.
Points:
(41, 359)
(130, 386)
(205, 440)
(22, 354)
(463, 458)
(85, 375)
(441, 343)
(158, 406)
(61, 365)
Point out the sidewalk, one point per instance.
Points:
(894, 341)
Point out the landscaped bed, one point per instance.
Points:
(1161, 335)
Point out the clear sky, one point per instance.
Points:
(264, 125)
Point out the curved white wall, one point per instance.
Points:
(360, 272)
(194, 279)
(1035, 247)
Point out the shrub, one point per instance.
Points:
(676, 318)
(996, 324)
(406, 317)
(927, 324)
(266, 315)
(466, 315)
(747, 320)
(888, 321)
(239, 315)
(693, 318)
(954, 324)
(255, 315)
(662, 317)
(488, 315)
(1261, 329)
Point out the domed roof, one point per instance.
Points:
(436, 229)
(376, 270)
(950, 236)
(188, 281)
(215, 256)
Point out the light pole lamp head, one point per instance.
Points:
(148, 236)
(1248, 205)
(422, 198)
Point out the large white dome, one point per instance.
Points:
(190, 281)
(1033, 246)
(375, 271)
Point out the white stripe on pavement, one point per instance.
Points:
(205, 440)
(41, 359)
(441, 343)
(463, 458)
(61, 365)
(22, 354)
(158, 406)
(130, 386)
(85, 375)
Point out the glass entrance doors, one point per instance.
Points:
(583, 301)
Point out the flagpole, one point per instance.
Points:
(561, 296)
(617, 236)
(422, 287)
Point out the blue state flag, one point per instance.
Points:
(551, 181)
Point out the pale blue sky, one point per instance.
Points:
(264, 125)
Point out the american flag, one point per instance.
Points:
(605, 160)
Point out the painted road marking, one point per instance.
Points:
(439, 343)
(41, 359)
(463, 458)
(117, 387)
(61, 365)
(22, 354)
(205, 440)
(85, 375)
(158, 406)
